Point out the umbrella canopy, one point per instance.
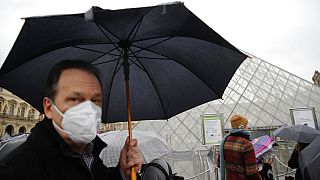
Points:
(151, 146)
(174, 60)
(309, 160)
(299, 133)
(11, 144)
(262, 144)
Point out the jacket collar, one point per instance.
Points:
(45, 137)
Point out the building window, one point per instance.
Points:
(5, 109)
(11, 109)
(23, 109)
(31, 114)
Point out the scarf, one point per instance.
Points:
(222, 163)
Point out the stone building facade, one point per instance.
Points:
(316, 78)
(16, 116)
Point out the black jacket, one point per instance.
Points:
(45, 156)
(294, 163)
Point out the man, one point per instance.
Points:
(237, 153)
(65, 145)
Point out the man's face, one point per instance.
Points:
(74, 86)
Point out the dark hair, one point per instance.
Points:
(300, 146)
(57, 69)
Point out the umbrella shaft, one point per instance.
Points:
(133, 172)
(128, 109)
(126, 64)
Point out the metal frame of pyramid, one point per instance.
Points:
(259, 90)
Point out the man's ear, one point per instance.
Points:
(47, 107)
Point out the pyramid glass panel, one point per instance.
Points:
(259, 90)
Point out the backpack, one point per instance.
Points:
(169, 175)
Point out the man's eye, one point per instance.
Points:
(75, 99)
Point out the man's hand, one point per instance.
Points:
(130, 156)
(269, 161)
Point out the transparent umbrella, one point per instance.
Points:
(9, 145)
(151, 145)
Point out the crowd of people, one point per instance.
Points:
(238, 159)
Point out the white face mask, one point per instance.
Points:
(80, 122)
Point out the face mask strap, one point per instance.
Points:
(56, 108)
(59, 128)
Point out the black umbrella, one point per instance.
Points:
(299, 133)
(309, 160)
(174, 60)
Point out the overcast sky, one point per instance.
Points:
(285, 33)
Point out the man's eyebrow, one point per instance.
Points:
(75, 94)
(98, 94)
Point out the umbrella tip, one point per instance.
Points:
(170, 3)
(89, 15)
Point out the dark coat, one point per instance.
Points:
(294, 163)
(45, 156)
(266, 172)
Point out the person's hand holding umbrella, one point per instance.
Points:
(130, 156)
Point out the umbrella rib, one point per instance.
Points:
(153, 83)
(92, 50)
(91, 61)
(181, 65)
(101, 29)
(114, 44)
(152, 45)
(135, 33)
(89, 43)
(139, 22)
(141, 57)
(113, 75)
(117, 59)
(134, 62)
(103, 54)
(152, 38)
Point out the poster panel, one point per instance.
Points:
(212, 128)
(304, 116)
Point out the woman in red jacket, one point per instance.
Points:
(238, 153)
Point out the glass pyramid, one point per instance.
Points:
(259, 90)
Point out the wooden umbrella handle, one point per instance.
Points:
(133, 175)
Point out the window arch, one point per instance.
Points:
(10, 130)
(22, 130)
